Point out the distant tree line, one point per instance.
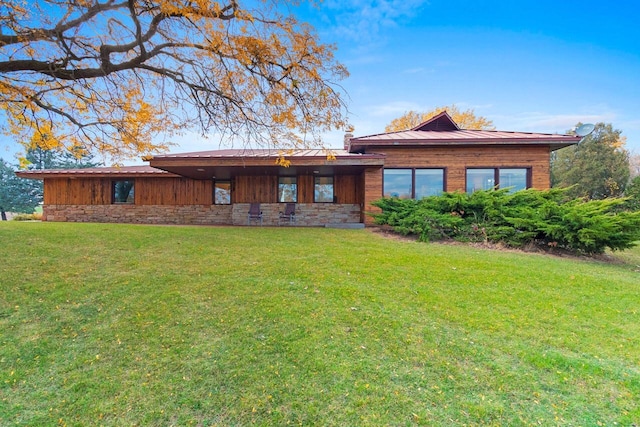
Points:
(21, 195)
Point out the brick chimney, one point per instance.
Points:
(347, 140)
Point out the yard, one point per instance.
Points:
(104, 324)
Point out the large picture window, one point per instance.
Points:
(122, 191)
(429, 182)
(287, 189)
(413, 183)
(323, 189)
(480, 179)
(398, 183)
(514, 179)
(222, 193)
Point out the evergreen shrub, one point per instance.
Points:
(519, 219)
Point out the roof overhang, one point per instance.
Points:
(224, 164)
(461, 138)
(98, 172)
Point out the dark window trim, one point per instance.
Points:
(297, 188)
(496, 174)
(113, 191)
(333, 187)
(413, 177)
(215, 181)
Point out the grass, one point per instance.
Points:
(149, 325)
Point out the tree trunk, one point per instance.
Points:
(3, 214)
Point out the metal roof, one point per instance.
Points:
(124, 171)
(262, 153)
(463, 137)
(466, 136)
(442, 130)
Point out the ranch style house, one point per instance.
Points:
(220, 187)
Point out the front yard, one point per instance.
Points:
(104, 324)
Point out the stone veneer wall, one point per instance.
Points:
(307, 214)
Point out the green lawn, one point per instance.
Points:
(150, 325)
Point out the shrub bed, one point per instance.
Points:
(515, 219)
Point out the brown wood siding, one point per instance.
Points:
(457, 159)
(255, 189)
(372, 191)
(173, 191)
(147, 191)
(345, 189)
(305, 189)
(77, 191)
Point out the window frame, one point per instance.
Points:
(527, 178)
(413, 178)
(496, 176)
(115, 182)
(215, 184)
(295, 193)
(333, 188)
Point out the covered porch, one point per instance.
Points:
(326, 187)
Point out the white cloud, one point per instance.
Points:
(364, 21)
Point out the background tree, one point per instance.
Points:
(23, 195)
(38, 158)
(597, 167)
(110, 75)
(632, 191)
(634, 163)
(465, 119)
(17, 194)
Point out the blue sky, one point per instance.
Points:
(539, 66)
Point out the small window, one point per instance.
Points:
(398, 183)
(323, 189)
(222, 193)
(287, 189)
(123, 191)
(429, 182)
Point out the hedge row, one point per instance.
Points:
(516, 219)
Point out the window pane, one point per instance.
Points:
(429, 182)
(514, 179)
(222, 193)
(397, 183)
(287, 189)
(123, 191)
(480, 179)
(323, 189)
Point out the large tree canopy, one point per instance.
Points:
(466, 119)
(596, 168)
(109, 75)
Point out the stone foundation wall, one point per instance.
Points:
(307, 214)
(140, 214)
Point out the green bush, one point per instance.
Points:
(515, 219)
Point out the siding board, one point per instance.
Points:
(305, 189)
(345, 189)
(255, 189)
